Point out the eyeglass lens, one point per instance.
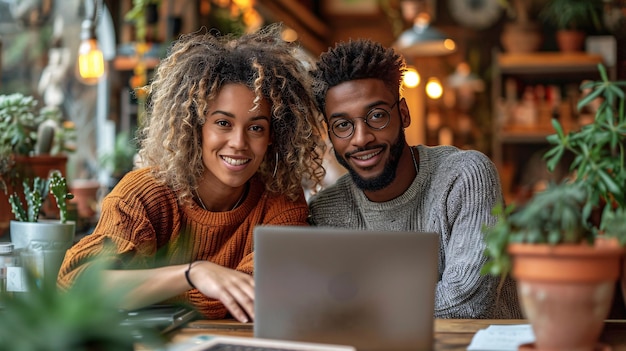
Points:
(376, 119)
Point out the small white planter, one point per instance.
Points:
(50, 237)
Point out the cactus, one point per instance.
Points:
(17, 208)
(58, 189)
(34, 196)
(34, 200)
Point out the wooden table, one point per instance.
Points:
(450, 334)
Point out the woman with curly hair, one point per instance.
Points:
(231, 133)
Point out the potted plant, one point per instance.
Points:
(572, 19)
(32, 142)
(551, 243)
(50, 236)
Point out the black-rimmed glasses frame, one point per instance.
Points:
(377, 119)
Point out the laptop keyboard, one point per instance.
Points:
(233, 347)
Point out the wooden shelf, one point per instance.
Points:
(521, 135)
(515, 146)
(128, 63)
(548, 62)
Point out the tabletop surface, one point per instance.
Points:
(450, 334)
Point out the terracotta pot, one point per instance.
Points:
(85, 193)
(566, 292)
(623, 281)
(570, 40)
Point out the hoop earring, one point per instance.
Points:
(275, 166)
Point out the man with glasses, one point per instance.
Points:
(392, 185)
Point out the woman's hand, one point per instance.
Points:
(233, 288)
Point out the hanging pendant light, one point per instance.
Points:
(424, 40)
(90, 58)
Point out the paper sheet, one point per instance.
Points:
(501, 338)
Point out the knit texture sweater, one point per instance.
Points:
(143, 226)
(453, 194)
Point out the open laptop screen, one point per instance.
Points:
(374, 290)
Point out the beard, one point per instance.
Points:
(389, 171)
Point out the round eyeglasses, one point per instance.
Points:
(377, 118)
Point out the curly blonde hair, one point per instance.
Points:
(189, 79)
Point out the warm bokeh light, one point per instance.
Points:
(411, 78)
(244, 4)
(90, 61)
(449, 44)
(434, 90)
(289, 35)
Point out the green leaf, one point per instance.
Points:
(589, 98)
(610, 183)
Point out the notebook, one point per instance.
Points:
(374, 290)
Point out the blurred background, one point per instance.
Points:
(484, 74)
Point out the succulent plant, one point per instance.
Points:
(61, 193)
(19, 122)
(34, 198)
(35, 195)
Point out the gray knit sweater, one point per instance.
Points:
(453, 194)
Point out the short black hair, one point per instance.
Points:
(357, 59)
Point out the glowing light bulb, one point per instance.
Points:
(411, 78)
(90, 61)
(434, 89)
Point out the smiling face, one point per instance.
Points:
(234, 137)
(371, 156)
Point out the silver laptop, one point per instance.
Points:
(374, 290)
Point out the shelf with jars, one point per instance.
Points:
(528, 91)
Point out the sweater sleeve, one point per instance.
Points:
(474, 190)
(133, 221)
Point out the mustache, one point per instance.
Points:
(361, 149)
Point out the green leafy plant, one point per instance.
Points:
(565, 212)
(598, 147)
(25, 131)
(83, 317)
(553, 216)
(35, 195)
(573, 14)
(20, 122)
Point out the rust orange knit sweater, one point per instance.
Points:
(143, 226)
